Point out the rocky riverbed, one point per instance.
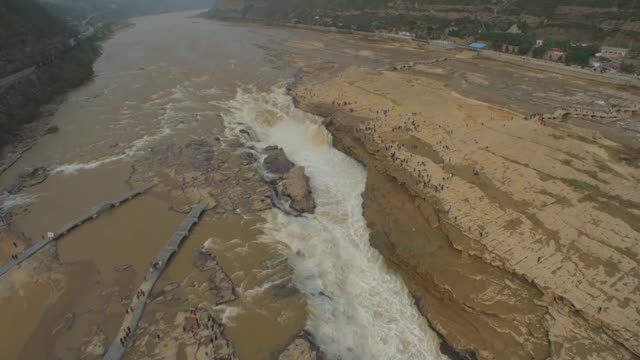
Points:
(227, 174)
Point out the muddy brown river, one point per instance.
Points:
(160, 86)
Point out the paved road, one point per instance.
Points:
(136, 308)
(6, 81)
(92, 214)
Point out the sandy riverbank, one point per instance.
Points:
(535, 257)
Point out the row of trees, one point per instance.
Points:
(498, 39)
(576, 54)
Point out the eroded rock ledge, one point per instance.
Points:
(219, 285)
(290, 183)
(485, 271)
(302, 347)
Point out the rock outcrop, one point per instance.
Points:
(29, 178)
(207, 169)
(276, 162)
(289, 182)
(205, 336)
(299, 349)
(302, 348)
(220, 286)
(296, 186)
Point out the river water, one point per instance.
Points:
(167, 80)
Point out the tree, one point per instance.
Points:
(628, 68)
(581, 54)
(540, 51)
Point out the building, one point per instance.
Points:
(510, 49)
(478, 46)
(614, 52)
(558, 55)
(539, 43)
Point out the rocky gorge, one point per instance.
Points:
(475, 295)
(431, 204)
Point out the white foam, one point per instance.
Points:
(134, 148)
(171, 112)
(359, 309)
(74, 168)
(212, 243)
(228, 313)
(9, 201)
(266, 285)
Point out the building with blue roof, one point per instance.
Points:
(478, 46)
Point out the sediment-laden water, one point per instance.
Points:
(359, 309)
(160, 86)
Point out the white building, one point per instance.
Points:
(615, 52)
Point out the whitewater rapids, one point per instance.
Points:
(359, 308)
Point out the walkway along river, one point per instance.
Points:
(92, 214)
(134, 314)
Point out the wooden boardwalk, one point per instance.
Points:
(136, 308)
(92, 214)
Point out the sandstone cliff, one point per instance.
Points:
(535, 257)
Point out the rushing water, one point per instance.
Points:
(165, 81)
(360, 310)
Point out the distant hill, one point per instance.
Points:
(610, 22)
(30, 36)
(26, 17)
(115, 10)
(27, 30)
